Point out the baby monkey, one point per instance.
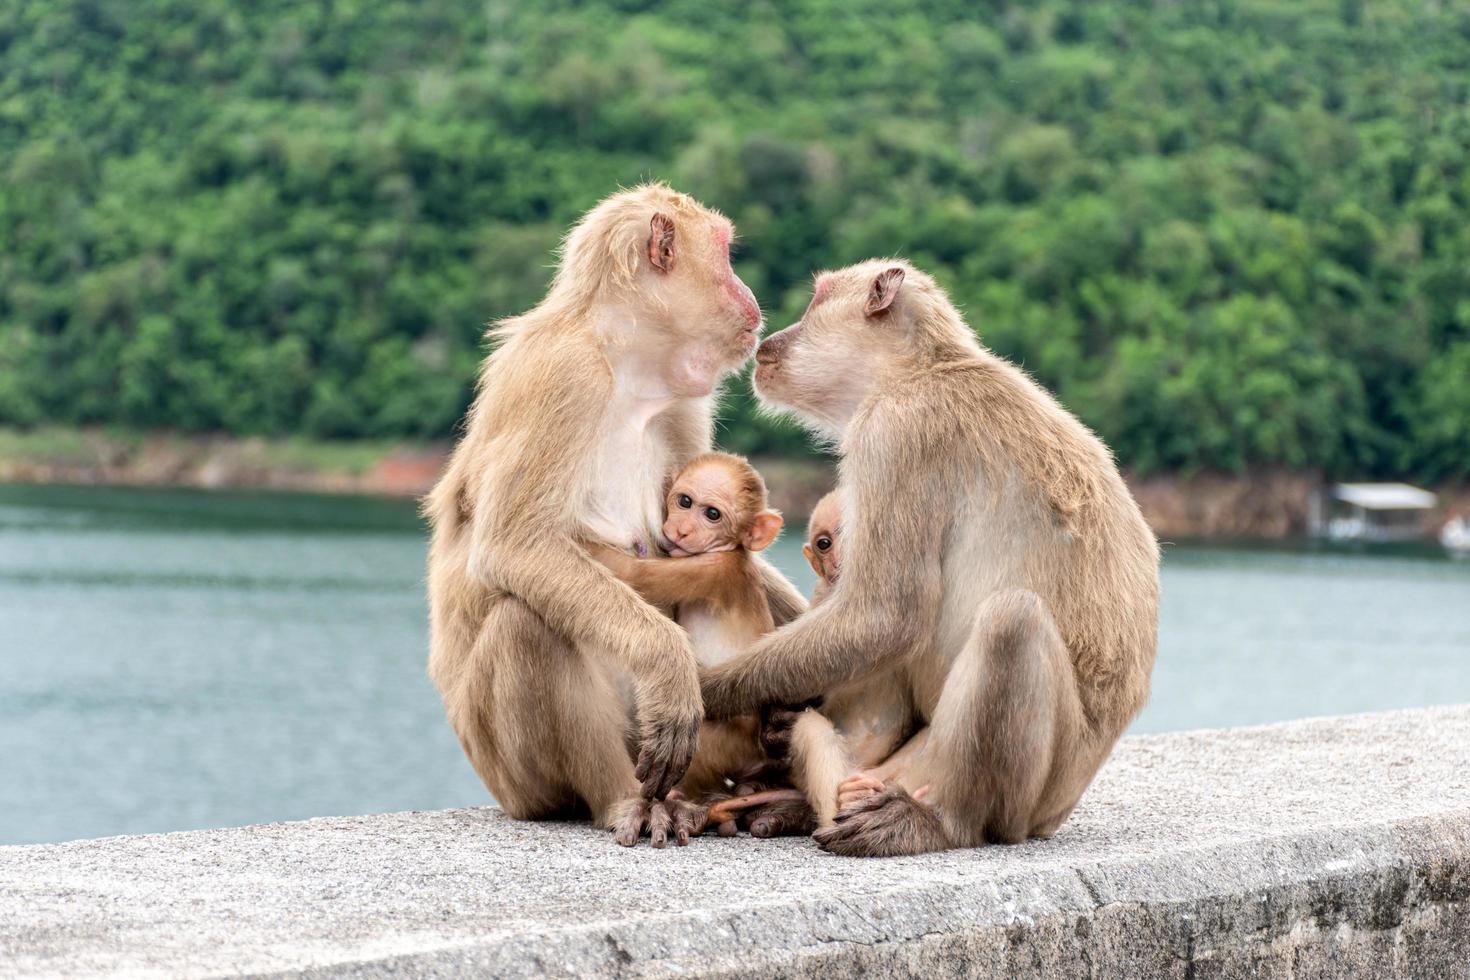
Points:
(716, 519)
(867, 732)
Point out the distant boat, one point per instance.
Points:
(1455, 535)
(1374, 512)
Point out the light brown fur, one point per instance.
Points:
(548, 665)
(992, 553)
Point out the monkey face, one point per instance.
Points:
(703, 513)
(716, 320)
(821, 549)
(825, 365)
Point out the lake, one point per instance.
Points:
(176, 659)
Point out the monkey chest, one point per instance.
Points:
(623, 503)
(714, 637)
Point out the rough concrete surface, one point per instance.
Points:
(1329, 847)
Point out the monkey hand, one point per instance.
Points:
(669, 734)
(777, 722)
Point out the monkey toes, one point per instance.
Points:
(660, 819)
(783, 818)
(884, 824)
(856, 788)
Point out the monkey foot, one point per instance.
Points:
(770, 813)
(731, 807)
(884, 824)
(659, 819)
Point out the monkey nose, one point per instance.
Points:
(768, 352)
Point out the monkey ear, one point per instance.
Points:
(661, 242)
(763, 530)
(884, 291)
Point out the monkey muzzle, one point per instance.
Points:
(769, 353)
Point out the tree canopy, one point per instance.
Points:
(1226, 234)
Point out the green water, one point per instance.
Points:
(180, 659)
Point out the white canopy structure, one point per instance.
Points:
(1384, 496)
(1375, 512)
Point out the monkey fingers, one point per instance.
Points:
(660, 822)
(777, 721)
(664, 757)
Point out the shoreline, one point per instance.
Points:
(1268, 504)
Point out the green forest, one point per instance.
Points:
(1226, 234)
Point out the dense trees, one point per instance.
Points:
(1226, 233)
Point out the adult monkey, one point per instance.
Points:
(546, 661)
(991, 552)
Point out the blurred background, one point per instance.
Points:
(248, 251)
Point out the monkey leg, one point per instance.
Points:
(819, 763)
(1008, 714)
(1009, 745)
(543, 725)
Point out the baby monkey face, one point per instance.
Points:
(703, 509)
(822, 549)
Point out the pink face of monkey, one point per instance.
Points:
(716, 504)
(716, 320)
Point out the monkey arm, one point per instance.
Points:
(785, 601)
(832, 644)
(886, 604)
(711, 577)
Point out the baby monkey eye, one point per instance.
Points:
(712, 513)
(685, 501)
(824, 543)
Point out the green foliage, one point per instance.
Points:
(1227, 234)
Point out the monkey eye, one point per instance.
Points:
(685, 501)
(712, 513)
(824, 543)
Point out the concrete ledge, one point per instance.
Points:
(1330, 847)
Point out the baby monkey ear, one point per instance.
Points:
(884, 291)
(661, 242)
(763, 529)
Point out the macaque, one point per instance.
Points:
(716, 506)
(822, 549)
(554, 674)
(991, 556)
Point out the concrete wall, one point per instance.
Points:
(1333, 847)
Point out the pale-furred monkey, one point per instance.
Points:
(716, 506)
(990, 550)
(550, 667)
